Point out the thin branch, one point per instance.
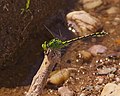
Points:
(40, 79)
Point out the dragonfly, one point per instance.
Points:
(58, 43)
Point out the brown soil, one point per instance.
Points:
(21, 37)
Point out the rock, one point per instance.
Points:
(82, 94)
(64, 91)
(86, 55)
(105, 70)
(60, 76)
(98, 87)
(91, 4)
(112, 10)
(114, 56)
(111, 89)
(97, 49)
(100, 80)
(89, 88)
(82, 23)
(117, 79)
(116, 21)
(111, 75)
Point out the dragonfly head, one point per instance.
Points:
(44, 46)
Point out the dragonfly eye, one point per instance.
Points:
(44, 46)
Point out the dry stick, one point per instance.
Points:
(40, 79)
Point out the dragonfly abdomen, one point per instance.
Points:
(97, 34)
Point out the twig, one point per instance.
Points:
(40, 79)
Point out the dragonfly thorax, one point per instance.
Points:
(55, 44)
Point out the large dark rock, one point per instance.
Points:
(16, 28)
(21, 36)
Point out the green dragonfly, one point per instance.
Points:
(58, 44)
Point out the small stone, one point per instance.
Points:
(89, 88)
(82, 94)
(64, 91)
(91, 4)
(77, 60)
(111, 89)
(100, 80)
(117, 79)
(111, 75)
(116, 21)
(112, 10)
(83, 23)
(25, 92)
(86, 55)
(97, 87)
(105, 70)
(114, 55)
(97, 49)
(59, 77)
(50, 90)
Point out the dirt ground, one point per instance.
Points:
(21, 36)
(16, 73)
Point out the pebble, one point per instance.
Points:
(111, 89)
(98, 87)
(60, 76)
(86, 55)
(97, 49)
(64, 91)
(82, 23)
(105, 70)
(89, 88)
(116, 21)
(82, 94)
(99, 80)
(112, 10)
(111, 75)
(114, 55)
(117, 79)
(91, 4)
